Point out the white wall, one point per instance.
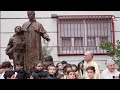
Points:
(8, 25)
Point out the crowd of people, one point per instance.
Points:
(87, 69)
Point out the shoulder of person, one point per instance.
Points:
(118, 71)
(104, 71)
(26, 23)
(38, 22)
(95, 63)
(11, 38)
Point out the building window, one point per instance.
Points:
(77, 34)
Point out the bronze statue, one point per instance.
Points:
(16, 46)
(33, 31)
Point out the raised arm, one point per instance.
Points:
(44, 33)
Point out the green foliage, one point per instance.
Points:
(117, 52)
(106, 45)
(112, 52)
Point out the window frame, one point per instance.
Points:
(66, 19)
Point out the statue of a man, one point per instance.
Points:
(33, 31)
(16, 46)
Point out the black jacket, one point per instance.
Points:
(52, 76)
(21, 74)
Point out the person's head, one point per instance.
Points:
(39, 65)
(60, 76)
(18, 29)
(29, 76)
(60, 66)
(11, 67)
(78, 74)
(64, 63)
(9, 75)
(46, 64)
(111, 65)
(49, 59)
(71, 74)
(19, 65)
(67, 68)
(90, 72)
(31, 15)
(88, 56)
(74, 67)
(23, 75)
(6, 65)
(57, 65)
(52, 69)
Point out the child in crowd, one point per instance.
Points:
(38, 71)
(78, 73)
(21, 73)
(52, 72)
(91, 72)
(60, 68)
(6, 66)
(71, 74)
(9, 75)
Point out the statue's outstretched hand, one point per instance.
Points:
(48, 39)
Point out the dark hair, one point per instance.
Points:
(42, 74)
(49, 58)
(70, 71)
(60, 76)
(6, 64)
(91, 68)
(35, 64)
(9, 74)
(66, 67)
(73, 65)
(64, 62)
(46, 64)
(34, 75)
(23, 75)
(38, 62)
(57, 64)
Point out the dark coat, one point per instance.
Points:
(21, 74)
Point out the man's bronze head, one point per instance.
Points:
(31, 15)
(31, 12)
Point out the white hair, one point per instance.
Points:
(110, 61)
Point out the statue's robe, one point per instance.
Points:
(33, 32)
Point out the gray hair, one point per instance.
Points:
(108, 61)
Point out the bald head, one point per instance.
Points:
(88, 56)
(89, 53)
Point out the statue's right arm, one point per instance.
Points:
(9, 45)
